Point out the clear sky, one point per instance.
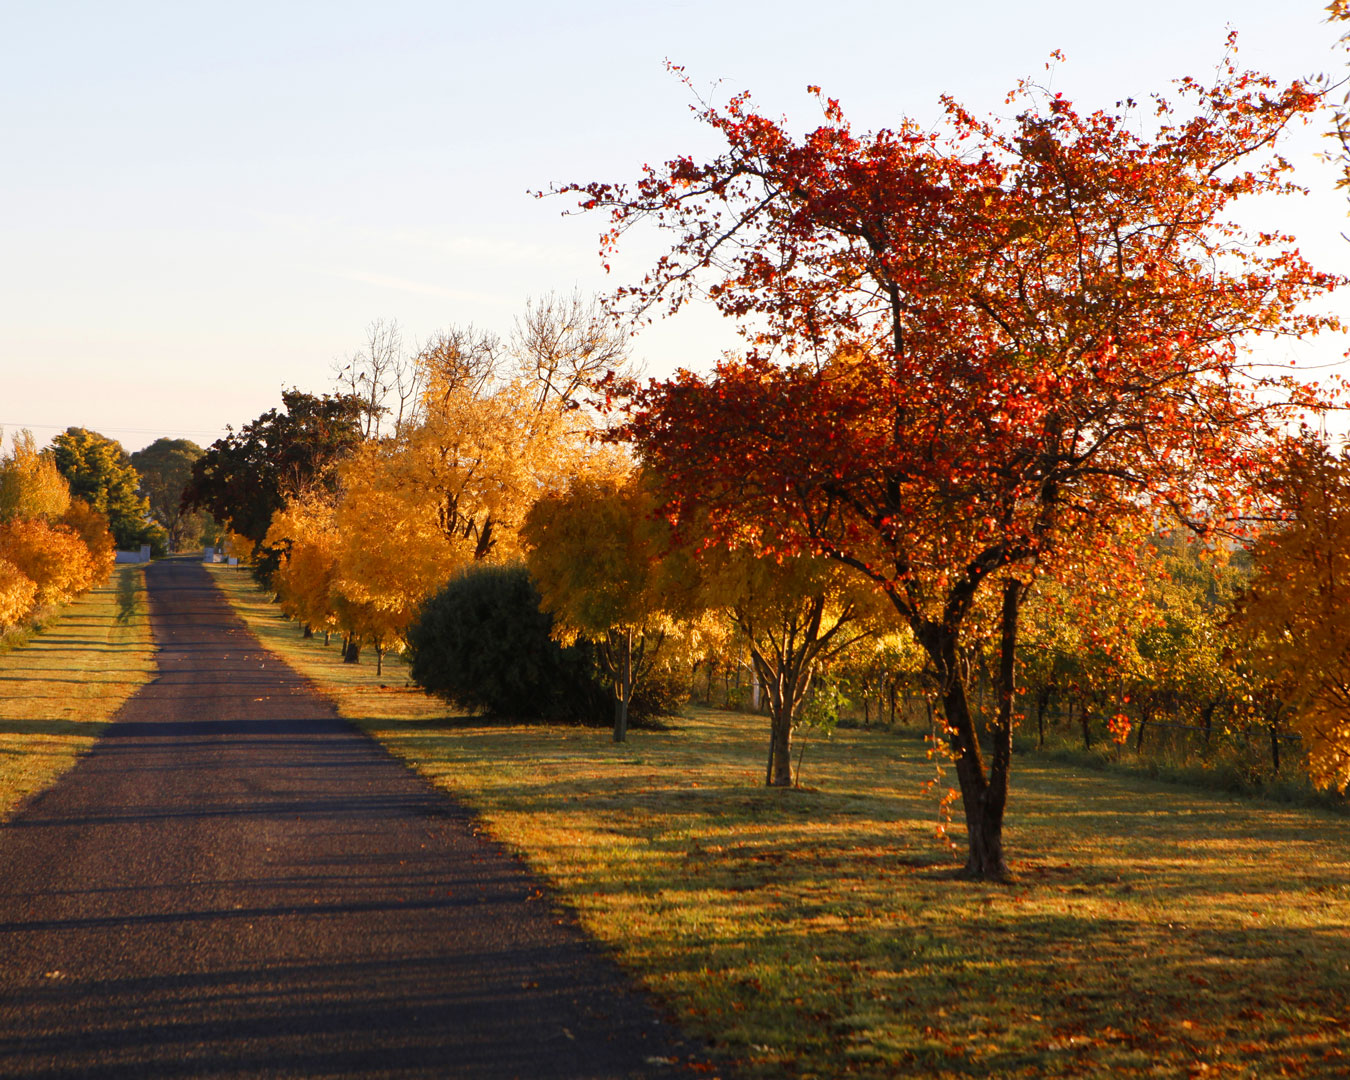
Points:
(203, 204)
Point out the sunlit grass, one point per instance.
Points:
(60, 688)
(1152, 932)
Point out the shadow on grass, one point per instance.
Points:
(51, 727)
(128, 587)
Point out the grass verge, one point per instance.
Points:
(60, 686)
(1153, 932)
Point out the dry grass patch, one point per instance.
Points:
(1154, 932)
(61, 686)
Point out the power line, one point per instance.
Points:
(112, 427)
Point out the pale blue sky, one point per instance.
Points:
(201, 204)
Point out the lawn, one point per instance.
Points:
(1153, 931)
(61, 688)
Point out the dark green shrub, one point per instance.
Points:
(483, 642)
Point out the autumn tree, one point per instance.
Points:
(100, 472)
(54, 558)
(31, 486)
(18, 594)
(603, 565)
(306, 535)
(244, 478)
(390, 553)
(796, 613)
(974, 351)
(93, 530)
(451, 487)
(1294, 614)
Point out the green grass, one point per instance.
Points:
(62, 683)
(1152, 931)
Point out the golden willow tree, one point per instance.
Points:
(975, 351)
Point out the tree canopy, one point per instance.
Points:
(31, 486)
(973, 353)
(100, 472)
(1295, 611)
(244, 478)
(165, 467)
(605, 571)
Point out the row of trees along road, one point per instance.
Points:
(53, 546)
(976, 356)
(361, 504)
(65, 508)
(985, 367)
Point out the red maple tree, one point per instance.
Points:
(974, 354)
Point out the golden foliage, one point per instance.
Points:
(597, 554)
(304, 530)
(31, 487)
(391, 554)
(17, 594)
(1295, 612)
(479, 461)
(53, 557)
(237, 546)
(92, 528)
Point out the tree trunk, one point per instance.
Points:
(781, 684)
(984, 795)
(1043, 696)
(780, 750)
(351, 652)
(379, 658)
(623, 685)
(308, 631)
(485, 542)
(1085, 720)
(983, 805)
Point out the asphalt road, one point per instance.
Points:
(235, 883)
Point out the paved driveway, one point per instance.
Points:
(236, 883)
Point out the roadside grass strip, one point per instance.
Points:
(1152, 931)
(61, 685)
